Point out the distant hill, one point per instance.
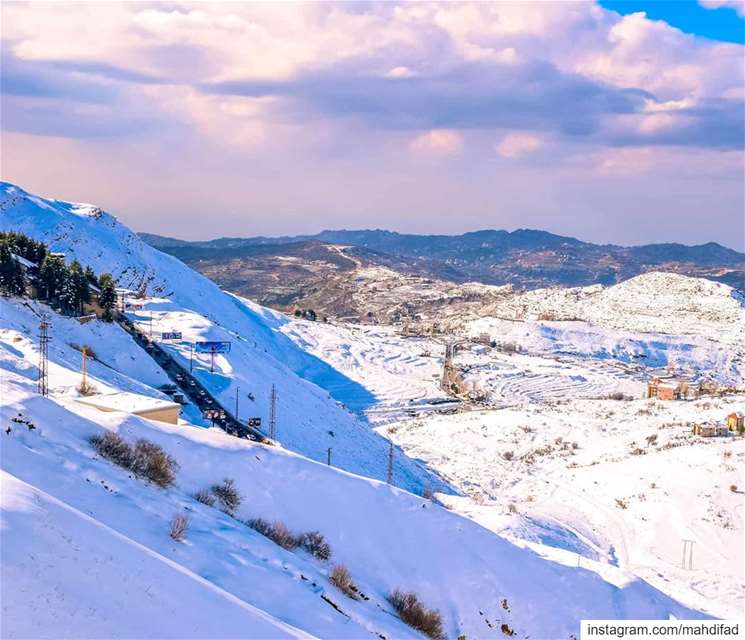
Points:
(525, 258)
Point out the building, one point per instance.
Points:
(667, 389)
(143, 406)
(735, 422)
(708, 387)
(710, 430)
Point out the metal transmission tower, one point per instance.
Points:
(273, 413)
(44, 355)
(389, 479)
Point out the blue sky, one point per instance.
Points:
(207, 119)
(718, 23)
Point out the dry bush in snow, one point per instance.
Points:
(228, 495)
(145, 459)
(276, 532)
(152, 462)
(416, 615)
(205, 497)
(315, 544)
(179, 525)
(282, 536)
(86, 388)
(342, 580)
(113, 447)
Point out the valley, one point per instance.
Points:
(477, 444)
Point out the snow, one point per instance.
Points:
(74, 522)
(676, 488)
(91, 514)
(128, 402)
(57, 559)
(651, 303)
(181, 300)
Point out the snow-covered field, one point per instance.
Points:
(602, 520)
(73, 522)
(390, 373)
(554, 473)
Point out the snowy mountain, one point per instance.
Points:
(72, 522)
(652, 302)
(181, 300)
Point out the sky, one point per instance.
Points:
(616, 122)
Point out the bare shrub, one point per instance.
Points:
(260, 525)
(282, 536)
(276, 532)
(508, 455)
(416, 615)
(152, 462)
(315, 544)
(512, 508)
(113, 447)
(652, 440)
(621, 503)
(342, 580)
(733, 488)
(179, 525)
(229, 497)
(86, 388)
(205, 497)
(145, 459)
(616, 395)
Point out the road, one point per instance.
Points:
(190, 386)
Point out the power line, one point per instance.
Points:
(44, 339)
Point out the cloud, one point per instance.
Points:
(518, 144)
(438, 142)
(737, 5)
(289, 93)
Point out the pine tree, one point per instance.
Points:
(107, 297)
(77, 289)
(52, 277)
(12, 280)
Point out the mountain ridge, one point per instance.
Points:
(524, 258)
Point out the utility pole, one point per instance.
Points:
(688, 547)
(390, 462)
(84, 371)
(44, 339)
(237, 389)
(328, 456)
(273, 413)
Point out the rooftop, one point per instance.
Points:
(127, 402)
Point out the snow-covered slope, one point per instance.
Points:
(75, 523)
(180, 299)
(652, 302)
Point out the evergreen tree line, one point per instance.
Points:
(67, 287)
